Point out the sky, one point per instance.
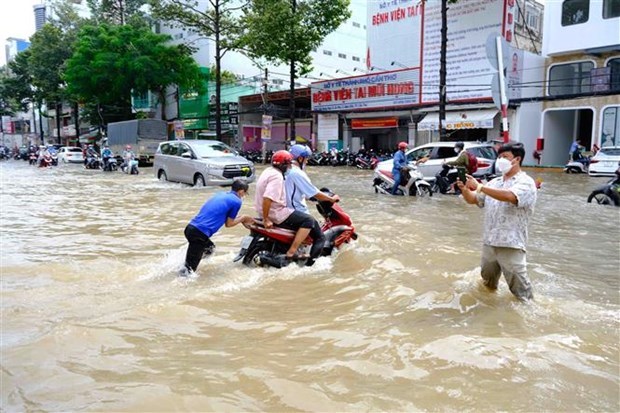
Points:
(16, 20)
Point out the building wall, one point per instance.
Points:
(529, 26)
(596, 32)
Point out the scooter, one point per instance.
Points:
(575, 167)
(130, 167)
(411, 182)
(92, 162)
(46, 161)
(608, 194)
(32, 158)
(111, 164)
(267, 247)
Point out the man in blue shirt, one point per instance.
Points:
(221, 209)
(400, 162)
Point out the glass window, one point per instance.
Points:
(445, 152)
(611, 9)
(570, 78)
(419, 154)
(575, 12)
(342, 55)
(355, 58)
(327, 52)
(610, 132)
(356, 24)
(614, 64)
(215, 149)
(182, 149)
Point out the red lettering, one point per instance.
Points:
(323, 96)
(405, 88)
(360, 93)
(343, 94)
(380, 18)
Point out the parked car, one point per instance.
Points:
(605, 162)
(71, 154)
(440, 152)
(201, 162)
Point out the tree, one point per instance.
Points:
(217, 22)
(16, 84)
(227, 77)
(111, 62)
(307, 24)
(118, 11)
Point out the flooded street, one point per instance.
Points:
(94, 317)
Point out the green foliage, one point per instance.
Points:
(118, 12)
(279, 34)
(112, 61)
(49, 49)
(227, 77)
(15, 84)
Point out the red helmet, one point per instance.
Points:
(128, 147)
(281, 158)
(402, 145)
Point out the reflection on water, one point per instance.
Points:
(94, 318)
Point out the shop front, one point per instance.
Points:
(480, 124)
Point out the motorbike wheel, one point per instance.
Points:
(252, 257)
(602, 198)
(423, 190)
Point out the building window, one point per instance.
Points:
(610, 130)
(614, 64)
(355, 58)
(611, 9)
(327, 52)
(342, 55)
(570, 79)
(575, 12)
(532, 19)
(356, 24)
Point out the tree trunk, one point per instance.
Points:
(41, 123)
(162, 102)
(292, 90)
(442, 70)
(58, 110)
(76, 109)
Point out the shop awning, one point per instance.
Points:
(468, 119)
(89, 137)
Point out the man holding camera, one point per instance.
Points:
(508, 202)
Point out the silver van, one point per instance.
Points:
(200, 163)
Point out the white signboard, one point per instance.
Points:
(386, 89)
(406, 33)
(327, 127)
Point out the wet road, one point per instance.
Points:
(94, 318)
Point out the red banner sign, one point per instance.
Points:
(374, 123)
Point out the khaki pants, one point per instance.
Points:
(512, 263)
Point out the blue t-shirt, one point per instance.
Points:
(216, 211)
(298, 188)
(400, 161)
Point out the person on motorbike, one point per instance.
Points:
(400, 163)
(578, 156)
(297, 183)
(128, 157)
(41, 156)
(270, 204)
(106, 154)
(90, 153)
(462, 161)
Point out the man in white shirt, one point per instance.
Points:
(509, 203)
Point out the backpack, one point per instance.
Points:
(473, 163)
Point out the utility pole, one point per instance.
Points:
(58, 110)
(265, 102)
(442, 70)
(292, 88)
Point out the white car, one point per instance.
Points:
(200, 163)
(440, 152)
(71, 154)
(605, 162)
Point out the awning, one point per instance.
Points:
(89, 137)
(468, 119)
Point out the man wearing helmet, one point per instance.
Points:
(461, 161)
(270, 204)
(128, 156)
(297, 183)
(400, 162)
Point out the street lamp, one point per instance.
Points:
(357, 69)
(373, 68)
(343, 72)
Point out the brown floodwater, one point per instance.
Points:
(94, 317)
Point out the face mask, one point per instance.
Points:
(456, 150)
(503, 165)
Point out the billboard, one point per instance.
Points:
(405, 35)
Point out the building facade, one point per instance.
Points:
(529, 26)
(582, 73)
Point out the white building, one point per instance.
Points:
(582, 44)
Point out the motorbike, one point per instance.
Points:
(575, 167)
(32, 158)
(54, 157)
(111, 164)
(130, 167)
(46, 161)
(92, 162)
(267, 247)
(411, 182)
(608, 194)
